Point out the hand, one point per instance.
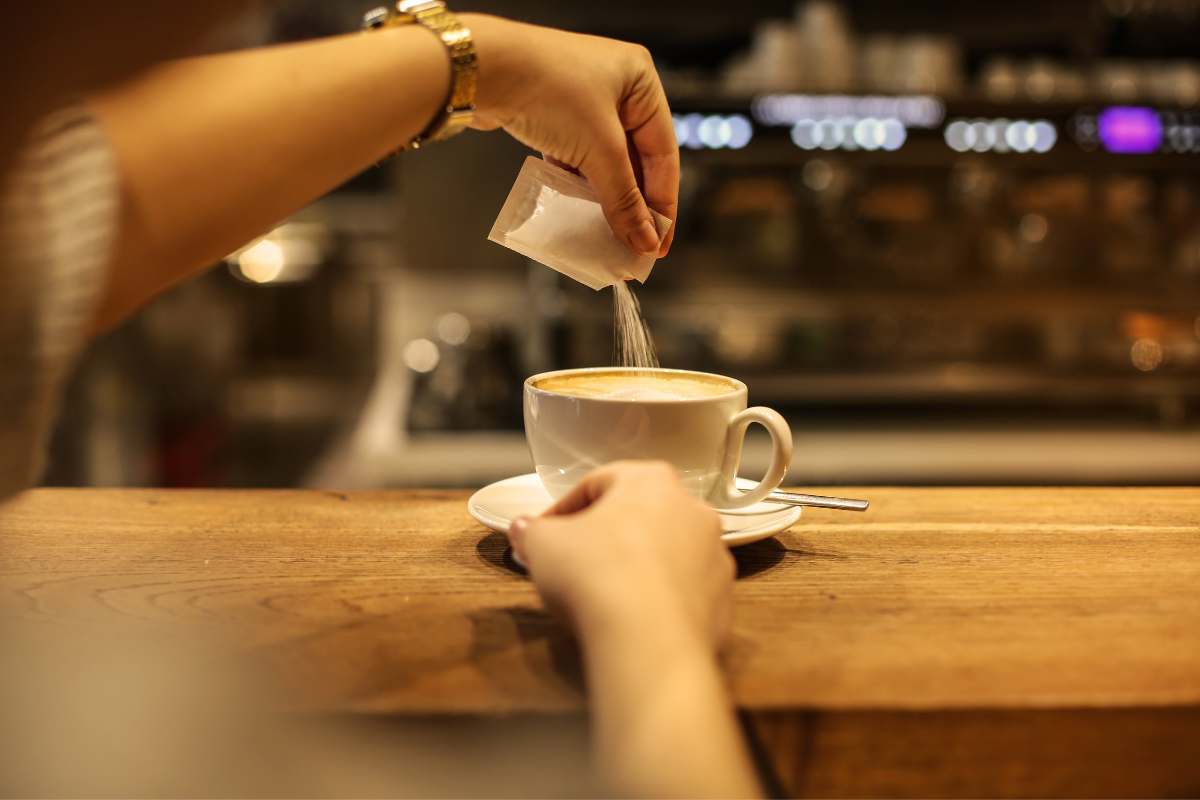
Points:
(593, 104)
(629, 549)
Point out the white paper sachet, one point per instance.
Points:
(553, 217)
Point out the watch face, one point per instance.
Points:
(376, 17)
(416, 6)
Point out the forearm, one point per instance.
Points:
(215, 150)
(662, 722)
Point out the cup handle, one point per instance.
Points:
(726, 494)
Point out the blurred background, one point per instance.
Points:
(951, 242)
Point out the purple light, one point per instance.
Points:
(1130, 129)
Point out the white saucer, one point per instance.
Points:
(498, 504)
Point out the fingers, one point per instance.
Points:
(594, 485)
(610, 172)
(657, 151)
(535, 538)
(518, 536)
(654, 476)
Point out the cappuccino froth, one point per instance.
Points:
(636, 387)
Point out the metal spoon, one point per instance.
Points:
(816, 501)
(795, 499)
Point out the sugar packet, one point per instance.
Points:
(554, 217)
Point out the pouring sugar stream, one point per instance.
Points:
(554, 217)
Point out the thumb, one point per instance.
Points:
(610, 172)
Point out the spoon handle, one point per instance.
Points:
(816, 501)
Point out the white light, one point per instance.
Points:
(421, 355)
(829, 134)
(1014, 136)
(713, 132)
(956, 136)
(1044, 136)
(861, 134)
(1029, 137)
(1000, 135)
(914, 111)
(804, 134)
(894, 134)
(848, 133)
(868, 133)
(681, 130)
(262, 262)
(740, 132)
(691, 131)
(453, 328)
(970, 136)
(980, 136)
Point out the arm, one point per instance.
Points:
(638, 568)
(663, 724)
(215, 150)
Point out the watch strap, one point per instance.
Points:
(458, 110)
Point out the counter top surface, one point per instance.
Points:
(399, 602)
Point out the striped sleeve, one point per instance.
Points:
(58, 218)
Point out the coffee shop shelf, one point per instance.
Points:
(965, 383)
(917, 154)
(929, 453)
(1153, 293)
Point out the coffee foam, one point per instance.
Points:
(657, 387)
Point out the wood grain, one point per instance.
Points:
(984, 753)
(398, 601)
(864, 645)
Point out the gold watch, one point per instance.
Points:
(459, 109)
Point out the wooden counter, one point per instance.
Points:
(948, 642)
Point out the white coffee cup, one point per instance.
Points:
(701, 436)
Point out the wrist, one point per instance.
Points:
(497, 48)
(652, 624)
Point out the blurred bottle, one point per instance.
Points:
(775, 62)
(879, 64)
(826, 46)
(930, 64)
(1131, 236)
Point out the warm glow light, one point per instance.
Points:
(262, 262)
(1146, 354)
(453, 328)
(1033, 228)
(818, 176)
(421, 355)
